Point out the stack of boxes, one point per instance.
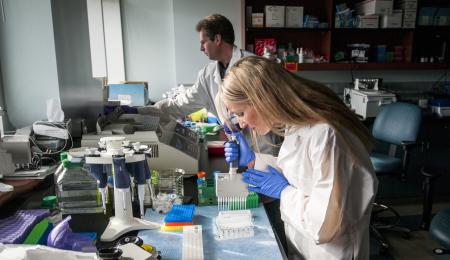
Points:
(409, 8)
(369, 12)
(277, 16)
(393, 20)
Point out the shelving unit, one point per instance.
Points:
(416, 42)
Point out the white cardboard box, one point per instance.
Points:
(370, 7)
(393, 20)
(410, 15)
(274, 15)
(294, 16)
(258, 20)
(409, 23)
(367, 21)
(407, 4)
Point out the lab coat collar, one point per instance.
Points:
(237, 54)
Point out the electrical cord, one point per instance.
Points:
(49, 151)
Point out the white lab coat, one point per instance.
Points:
(202, 93)
(326, 207)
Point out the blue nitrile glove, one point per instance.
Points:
(242, 151)
(270, 183)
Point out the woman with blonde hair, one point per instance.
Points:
(323, 175)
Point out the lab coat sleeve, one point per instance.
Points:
(263, 160)
(192, 99)
(320, 214)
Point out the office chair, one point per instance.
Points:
(398, 125)
(440, 231)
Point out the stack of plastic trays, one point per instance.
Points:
(234, 224)
(77, 190)
(15, 229)
(178, 217)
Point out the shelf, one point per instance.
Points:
(284, 29)
(416, 43)
(373, 29)
(433, 29)
(371, 66)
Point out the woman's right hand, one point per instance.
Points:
(240, 150)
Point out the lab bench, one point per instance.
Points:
(262, 245)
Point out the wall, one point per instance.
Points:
(189, 59)
(160, 42)
(148, 39)
(28, 59)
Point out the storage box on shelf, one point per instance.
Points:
(370, 7)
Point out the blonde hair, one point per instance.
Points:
(286, 101)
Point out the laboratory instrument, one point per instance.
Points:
(172, 140)
(126, 160)
(366, 98)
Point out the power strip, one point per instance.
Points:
(192, 243)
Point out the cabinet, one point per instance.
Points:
(417, 45)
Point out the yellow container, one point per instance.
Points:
(199, 116)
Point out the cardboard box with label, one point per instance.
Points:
(258, 20)
(294, 16)
(393, 20)
(130, 94)
(367, 21)
(370, 7)
(274, 15)
(406, 4)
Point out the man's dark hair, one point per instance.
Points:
(217, 24)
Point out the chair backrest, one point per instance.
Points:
(397, 122)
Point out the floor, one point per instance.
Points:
(420, 245)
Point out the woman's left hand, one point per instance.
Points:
(270, 183)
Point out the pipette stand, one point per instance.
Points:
(123, 221)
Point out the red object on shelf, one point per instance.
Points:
(266, 42)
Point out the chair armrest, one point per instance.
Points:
(408, 144)
(431, 171)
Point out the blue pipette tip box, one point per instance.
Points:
(180, 213)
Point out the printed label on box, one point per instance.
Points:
(258, 20)
(274, 15)
(294, 16)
